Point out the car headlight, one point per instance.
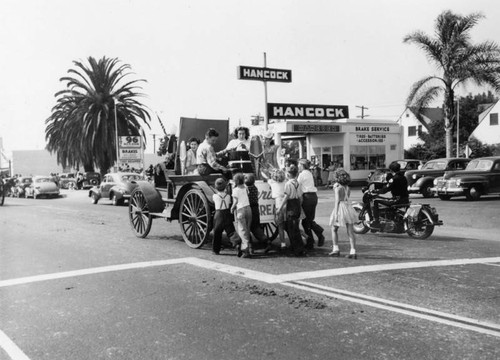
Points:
(435, 181)
(458, 182)
(415, 176)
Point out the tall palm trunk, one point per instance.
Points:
(448, 117)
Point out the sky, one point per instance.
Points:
(340, 53)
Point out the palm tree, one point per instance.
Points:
(81, 128)
(458, 61)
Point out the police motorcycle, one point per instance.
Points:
(417, 220)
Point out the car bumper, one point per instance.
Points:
(448, 191)
(47, 192)
(414, 189)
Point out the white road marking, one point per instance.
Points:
(11, 348)
(382, 267)
(91, 271)
(492, 264)
(401, 308)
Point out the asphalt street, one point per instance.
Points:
(75, 283)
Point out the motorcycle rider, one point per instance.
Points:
(398, 186)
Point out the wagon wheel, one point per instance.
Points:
(139, 215)
(270, 230)
(195, 218)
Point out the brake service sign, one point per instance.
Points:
(131, 152)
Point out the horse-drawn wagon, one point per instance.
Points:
(188, 198)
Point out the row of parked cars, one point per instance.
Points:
(116, 187)
(447, 177)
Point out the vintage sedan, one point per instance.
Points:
(421, 181)
(481, 177)
(42, 186)
(379, 177)
(116, 187)
(67, 181)
(21, 183)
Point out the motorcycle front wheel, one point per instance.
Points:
(422, 227)
(361, 226)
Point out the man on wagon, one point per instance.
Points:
(206, 157)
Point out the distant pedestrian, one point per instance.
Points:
(343, 214)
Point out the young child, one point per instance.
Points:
(241, 204)
(343, 213)
(291, 205)
(253, 197)
(223, 220)
(277, 183)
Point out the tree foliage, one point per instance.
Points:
(458, 61)
(81, 127)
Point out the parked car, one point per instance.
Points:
(67, 181)
(115, 186)
(421, 181)
(90, 178)
(481, 177)
(21, 184)
(42, 186)
(379, 177)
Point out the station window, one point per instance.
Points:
(493, 119)
(412, 131)
(332, 153)
(367, 157)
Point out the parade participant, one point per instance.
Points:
(223, 220)
(309, 203)
(343, 213)
(191, 167)
(241, 204)
(241, 140)
(206, 157)
(277, 183)
(331, 174)
(291, 207)
(398, 186)
(253, 198)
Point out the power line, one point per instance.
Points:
(362, 111)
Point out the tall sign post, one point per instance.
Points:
(264, 74)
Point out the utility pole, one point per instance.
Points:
(458, 124)
(363, 108)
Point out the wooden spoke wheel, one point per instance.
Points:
(195, 218)
(139, 215)
(270, 230)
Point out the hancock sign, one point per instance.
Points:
(307, 111)
(264, 74)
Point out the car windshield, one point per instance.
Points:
(131, 177)
(479, 165)
(27, 181)
(43, 180)
(434, 165)
(402, 164)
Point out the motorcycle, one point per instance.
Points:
(417, 220)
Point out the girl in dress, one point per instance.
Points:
(343, 213)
